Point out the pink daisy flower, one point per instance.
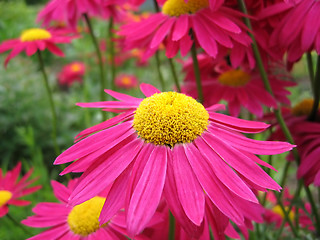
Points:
(81, 222)
(71, 73)
(306, 135)
(11, 189)
(299, 31)
(169, 144)
(238, 87)
(211, 28)
(33, 40)
(126, 81)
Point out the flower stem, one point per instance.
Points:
(100, 62)
(111, 52)
(174, 74)
(52, 106)
(316, 93)
(310, 69)
(197, 72)
(19, 225)
(157, 57)
(171, 226)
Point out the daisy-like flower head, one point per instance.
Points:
(169, 144)
(126, 81)
(33, 40)
(210, 29)
(240, 88)
(78, 222)
(11, 189)
(71, 73)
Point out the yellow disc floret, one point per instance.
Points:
(234, 78)
(303, 108)
(75, 67)
(83, 218)
(277, 209)
(5, 196)
(34, 34)
(169, 118)
(176, 8)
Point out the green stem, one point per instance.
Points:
(112, 53)
(197, 72)
(171, 227)
(316, 93)
(157, 57)
(314, 208)
(310, 69)
(285, 174)
(100, 61)
(52, 106)
(19, 225)
(174, 74)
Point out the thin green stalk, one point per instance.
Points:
(100, 62)
(316, 93)
(310, 69)
(197, 72)
(112, 53)
(157, 57)
(174, 74)
(285, 174)
(19, 225)
(52, 106)
(314, 208)
(171, 226)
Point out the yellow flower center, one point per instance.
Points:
(34, 34)
(176, 8)
(75, 67)
(126, 81)
(303, 108)
(5, 196)
(83, 218)
(168, 118)
(234, 78)
(277, 209)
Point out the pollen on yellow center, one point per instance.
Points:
(75, 67)
(169, 118)
(176, 8)
(277, 209)
(83, 218)
(303, 108)
(5, 196)
(234, 78)
(34, 34)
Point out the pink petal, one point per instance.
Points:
(54, 49)
(148, 90)
(161, 33)
(181, 27)
(123, 97)
(61, 192)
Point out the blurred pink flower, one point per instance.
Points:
(71, 73)
(11, 189)
(169, 144)
(211, 29)
(81, 222)
(33, 40)
(126, 81)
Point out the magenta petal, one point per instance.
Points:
(161, 33)
(147, 192)
(60, 191)
(52, 233)
(190, 192)
(123, 97)
(148, 90)
(181, 27)
(216, 107)
(54, 49)
(103, 172)
(108, 104)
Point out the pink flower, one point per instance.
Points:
(126, 81)
(211, 29)
(169, 144)
(80, 222)
(71, 73)
(240, 88)
(33, 40)
(70, 11)
(11, 189)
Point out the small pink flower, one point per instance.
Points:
(33, 40)
(71, 73)
(11, 189)
(169, 144)
(81, 222)
(126, 81)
